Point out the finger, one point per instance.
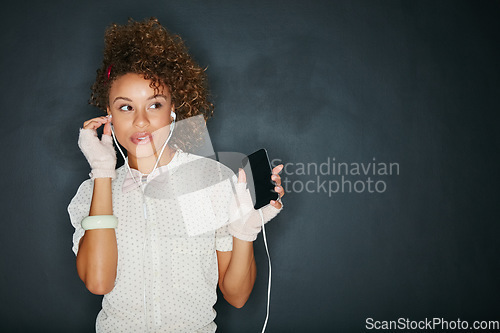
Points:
(277, 169)
(276, 179)
(279, 190)
(242, 176)
(98, 119)
(275, 204)
(91, 123)
(87, 123)
(107, 128)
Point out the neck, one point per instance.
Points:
(146, 164)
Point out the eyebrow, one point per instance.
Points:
(149, 98)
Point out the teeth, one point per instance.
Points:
(142, 138)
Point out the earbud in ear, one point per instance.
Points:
(173, 115)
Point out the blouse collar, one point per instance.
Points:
(139, 178)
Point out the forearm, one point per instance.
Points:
(240, 275)
(97, 254)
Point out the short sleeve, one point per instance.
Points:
(78, 209)
(223, 239)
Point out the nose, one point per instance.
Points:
(141, 119)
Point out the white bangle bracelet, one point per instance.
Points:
(99, 222)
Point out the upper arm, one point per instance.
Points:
(223, 246)
(223, 259)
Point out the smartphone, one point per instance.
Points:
(258, 171)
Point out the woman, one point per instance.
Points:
(147, 236)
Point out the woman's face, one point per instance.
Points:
(141, 118)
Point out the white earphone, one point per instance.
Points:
(172, 114)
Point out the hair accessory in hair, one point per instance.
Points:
(109, 71)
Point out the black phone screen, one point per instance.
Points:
(258, 172)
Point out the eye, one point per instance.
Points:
(125, 108)
(156, 106)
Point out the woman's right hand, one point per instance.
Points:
(100, 154)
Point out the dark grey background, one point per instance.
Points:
(411, 82)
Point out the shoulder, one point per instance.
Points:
(82, 198)
(85, 188)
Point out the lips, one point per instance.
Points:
(141, 138)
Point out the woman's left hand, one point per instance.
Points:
(278, 188)
(275, 177)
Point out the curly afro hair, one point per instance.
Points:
(147, 48)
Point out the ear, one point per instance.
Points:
(108, 111)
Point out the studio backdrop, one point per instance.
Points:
(384, 114)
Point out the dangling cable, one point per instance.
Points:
(172, 126)
(123, 155)
(269, 261)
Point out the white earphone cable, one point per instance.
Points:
(269, 261)
(146, 216)
(172, 125)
